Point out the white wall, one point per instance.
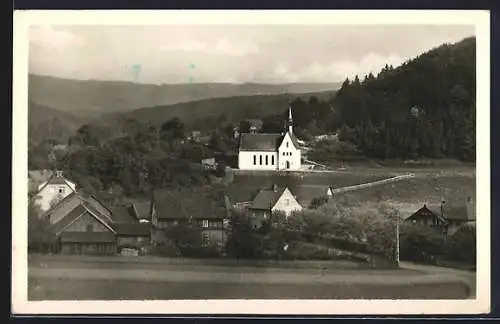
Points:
(51, 192)
(287, 152)
(287, 203)
(246, 160)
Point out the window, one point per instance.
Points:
(205, 239)
(290, 153)
(272, 160)
(283, 153)
(260, 159)
(267, 160)
(204, 223)
(60, 190)
(90, 228)
(254, 159)
(287, 144)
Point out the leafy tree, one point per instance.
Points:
(244, 126)
(173, 128)
(40, 236)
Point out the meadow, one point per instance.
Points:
(142, 278)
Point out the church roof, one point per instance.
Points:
(264, 142)
(260, 142)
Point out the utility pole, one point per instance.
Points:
(397, 239)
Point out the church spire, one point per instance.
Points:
(290, 120)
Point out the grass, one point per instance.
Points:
(59, 289)
(94, 278)
(419, 190)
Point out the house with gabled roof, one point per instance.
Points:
(54, 189)
(209, 209)
(258, 151)
(272, 200)
(83, 224)
(446, 217)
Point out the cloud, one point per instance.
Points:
(348, 68)
(220, 47)
(47, 36)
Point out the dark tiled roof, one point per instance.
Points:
(68, 219)
(132, 229)
(260, 142)
(460, 213)
(304, 194)
(204, 204)
(266, 199)
(123, 214)
(143, 209)
(88, 237)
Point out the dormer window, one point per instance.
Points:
(60, 190)
(205, 223)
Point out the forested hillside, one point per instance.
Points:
(91, 98)
(46, 123)
(208, 114)
(423, 108)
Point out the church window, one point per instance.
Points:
(260, 159)
(290, 153)
(272, 159)
(254, 159)
(267, 161)
(287, 144)
(283, 153)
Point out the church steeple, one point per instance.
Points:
(290, 120)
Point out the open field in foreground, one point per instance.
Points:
(51, 278)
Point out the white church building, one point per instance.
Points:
(270, 151)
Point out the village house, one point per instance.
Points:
(272, 200)
(82, 224)
(209, 212)
(133, 228)
(445, 217)
(52, 190)
(270, 151)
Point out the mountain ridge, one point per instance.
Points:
(91, 98)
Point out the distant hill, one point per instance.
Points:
(90, 98)
(207, 114)
(49, 123)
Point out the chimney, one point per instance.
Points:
(469, 199)
(442, 207)
(275, 187)
(59, 173)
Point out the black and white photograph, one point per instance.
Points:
(336, 160)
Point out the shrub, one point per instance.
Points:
(419, 242)
(461, 246)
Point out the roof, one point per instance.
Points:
(266, 199)
(260, 142)
(132, 229)
(37, 177)
(460, 213)
(204, 203)
(435, 210)
(87, 237)
(123, 214)
(55, 179)
(69, 218)
(304, 194)
(143, 209)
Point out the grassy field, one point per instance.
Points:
(94, 278)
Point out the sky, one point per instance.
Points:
(235, 54)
